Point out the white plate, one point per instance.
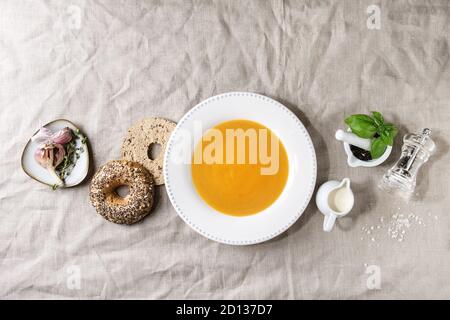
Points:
(283, 212)
(35, 171)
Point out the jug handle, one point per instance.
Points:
(328, 222)
(345, 183)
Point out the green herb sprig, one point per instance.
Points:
(375, 128)
(72, 154)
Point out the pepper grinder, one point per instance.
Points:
(416, 150)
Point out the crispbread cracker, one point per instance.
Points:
(138, 139)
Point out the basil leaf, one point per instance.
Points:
(377, 148)
(387, 137)
(392, 129)
(362, 125)
(388, 133)
(378, 118)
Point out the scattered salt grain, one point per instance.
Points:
(397, 226)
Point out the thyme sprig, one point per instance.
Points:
(73, 153)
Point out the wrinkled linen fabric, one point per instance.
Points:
(107, 64)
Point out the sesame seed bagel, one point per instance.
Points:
(123, 210)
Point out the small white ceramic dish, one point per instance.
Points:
(283, 212)
(35, 171)
(353, 161)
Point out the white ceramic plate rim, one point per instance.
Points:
(294, 198)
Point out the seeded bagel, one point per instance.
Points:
(140, 137)
(122, 210)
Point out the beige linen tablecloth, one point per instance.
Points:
(105, 65)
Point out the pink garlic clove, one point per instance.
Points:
(42, 157)
(42, 136)
(50, 156)
(59, 154)
(63, 136)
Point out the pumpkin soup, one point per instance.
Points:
(239, 167)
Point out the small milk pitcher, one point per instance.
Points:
(334, 199)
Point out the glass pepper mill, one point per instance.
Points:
(401, 178)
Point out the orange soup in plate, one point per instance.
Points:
(239, 167)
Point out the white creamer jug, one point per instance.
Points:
(334, 199)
